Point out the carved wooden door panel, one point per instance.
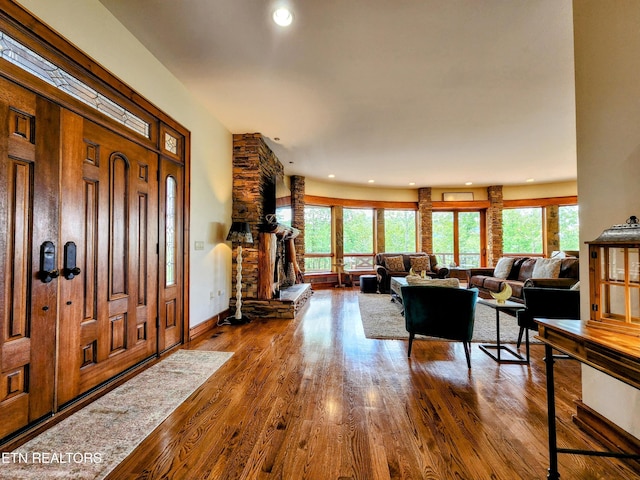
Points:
(170, 263)
(28, 220)
(109, 214)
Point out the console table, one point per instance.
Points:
(612, 353)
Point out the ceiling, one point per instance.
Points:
(436, 92)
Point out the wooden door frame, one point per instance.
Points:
(24, 27)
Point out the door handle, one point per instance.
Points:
(70, 269)
(47, 262)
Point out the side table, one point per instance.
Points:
(498, 347)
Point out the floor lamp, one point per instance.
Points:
(240, 233)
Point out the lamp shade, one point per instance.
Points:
(240, 232)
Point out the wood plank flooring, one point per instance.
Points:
(312, 398)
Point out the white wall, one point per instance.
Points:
(607, 59)
(90, 26)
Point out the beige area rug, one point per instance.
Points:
(93, 441)
(381, 318)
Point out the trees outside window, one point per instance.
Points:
(457, 238)
(569, 226)
(522, 231)
(357, 233)
(400, 230)
(317, 239)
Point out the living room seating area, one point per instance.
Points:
(389, 265)
(520, 271)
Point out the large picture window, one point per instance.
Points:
(522, 230)
(400, 230)
(317, 239)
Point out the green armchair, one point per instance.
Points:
(441, 312)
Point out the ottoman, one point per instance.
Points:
(368, 283)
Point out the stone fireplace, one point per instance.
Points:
(271, 283)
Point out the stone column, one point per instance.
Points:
(425, 216)
(379, 236)
(338, 227)
(552, 220)
(297, 216)
(494, 224)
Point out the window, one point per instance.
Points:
(357, 233)
(400, 230)
(317, 239)
(283, 215)
(522, 230)
(170, 232)
(569, 226)
(457, 238)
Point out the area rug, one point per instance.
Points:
(93, 441)
(382, 318)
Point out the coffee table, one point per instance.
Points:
(498, 347)
(395, 286)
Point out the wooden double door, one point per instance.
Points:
(80, 256)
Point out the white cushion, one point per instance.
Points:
(546, 268)
(503, 267)
(433, 282)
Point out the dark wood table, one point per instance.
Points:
(615, 354)
(499, 347)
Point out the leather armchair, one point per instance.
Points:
(441, 312)
(547, 303)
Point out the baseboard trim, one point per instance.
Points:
(206, 326)
(606, 432)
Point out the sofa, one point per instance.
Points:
(518, 271)
(388, 265)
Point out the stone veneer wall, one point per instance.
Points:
(425, 211)
(255, 170)
(552, 220)
(380, 238)
(297, 188)
(494, 224)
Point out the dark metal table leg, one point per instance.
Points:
(551, 415)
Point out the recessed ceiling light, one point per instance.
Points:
(371, 181)
(412, 183)
(469, 183)
(529, 180)
(283, 17)
(331, 175)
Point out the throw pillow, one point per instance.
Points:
(394, 264)
(503, 267)
(546, 268)
(433, 282)
(420, 264)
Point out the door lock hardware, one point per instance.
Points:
(70, 269)
(47, 262)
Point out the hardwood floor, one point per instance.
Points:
(312, 398)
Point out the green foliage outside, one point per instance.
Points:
(569, 226)
(317, 232)
(522, 230)
(358, 230)
(468, 240)
(400, 230)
